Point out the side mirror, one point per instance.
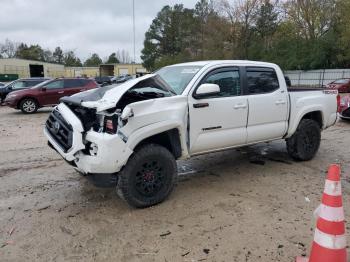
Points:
(207, 90)
(43, 89)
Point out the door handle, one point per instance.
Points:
(280, 102)
(238, 106)
(60, 92)
(200, 105)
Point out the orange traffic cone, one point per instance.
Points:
(329, 243)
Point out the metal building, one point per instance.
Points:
(30, 68)
(20, 68)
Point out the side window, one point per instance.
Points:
(55, 84)
(32, 83)
(84, 82)
(70, 83)
(228, 81)
(18, 84)
(261, 80)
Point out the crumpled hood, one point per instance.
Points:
(103, 98)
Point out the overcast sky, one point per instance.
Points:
(85, 26)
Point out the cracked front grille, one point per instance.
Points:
(60, 130)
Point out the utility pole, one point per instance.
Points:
(133, 21)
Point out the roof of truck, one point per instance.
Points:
(215, 62)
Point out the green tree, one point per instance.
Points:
(112, 59)
(32, 52)
(94, 60)
(170, 35)
(343, 29)
(70, 59)
(58, 56)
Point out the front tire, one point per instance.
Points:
(28, 106)
(148, 177)
(305, 142)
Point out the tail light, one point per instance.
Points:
(111, 124)
(338, 103)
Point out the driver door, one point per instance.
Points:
(219, 121)
(52, 92)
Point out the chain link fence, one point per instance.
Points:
(316, 78)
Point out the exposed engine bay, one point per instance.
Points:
(108, 120)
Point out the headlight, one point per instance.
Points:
(11, 95)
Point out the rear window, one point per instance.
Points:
(261, 80)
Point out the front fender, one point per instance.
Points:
(156, 128)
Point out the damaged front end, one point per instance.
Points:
(344, 108)
(87, 129)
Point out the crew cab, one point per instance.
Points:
(133, 133)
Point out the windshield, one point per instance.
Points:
(178, 77)
(341, 81)
(8, 84)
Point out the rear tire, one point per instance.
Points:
(148, 177)
(305, 142)
(28, 106)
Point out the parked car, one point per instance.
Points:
(342, 85)
(19, 84)
(123, 78)
(131, 135)
(47, 93)
(104, 80)
(344, 108)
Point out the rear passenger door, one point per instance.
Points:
(268, 105)
(73, 86)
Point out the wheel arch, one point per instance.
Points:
(26, 97)
(170, 139)
(315, 114)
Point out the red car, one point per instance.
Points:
(344, 108)
(47, 93)
(342, 85)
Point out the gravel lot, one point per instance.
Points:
(252, 204)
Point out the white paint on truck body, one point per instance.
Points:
(232, 121)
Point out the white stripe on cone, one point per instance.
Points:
(332, 188)
(333, 214)
(330, 241)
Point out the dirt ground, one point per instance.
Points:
(253, 204)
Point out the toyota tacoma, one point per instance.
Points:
(131, 135)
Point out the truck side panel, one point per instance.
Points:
(306, 102)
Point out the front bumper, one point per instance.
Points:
(112, 152)
(12, 102)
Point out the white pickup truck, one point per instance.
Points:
(133, 133)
